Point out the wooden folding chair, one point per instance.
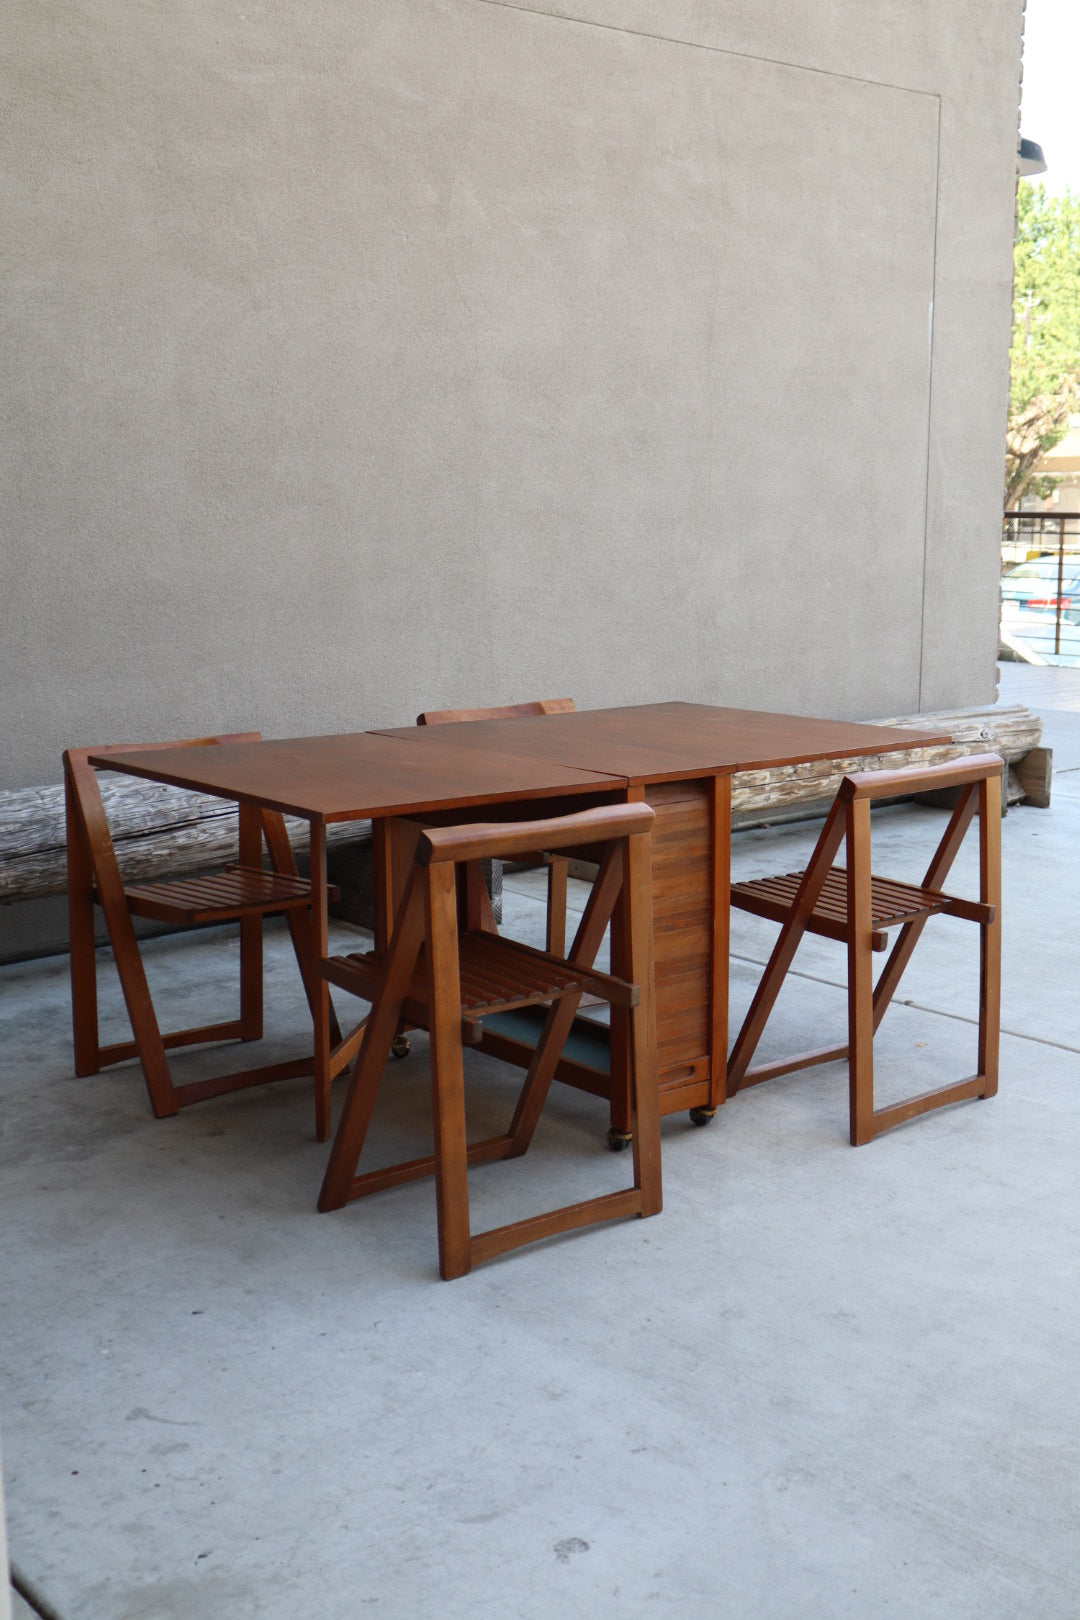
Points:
(852, 905)
(445, 979)
(557, 865)
(245, 893)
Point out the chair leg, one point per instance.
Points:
(379, 1030)
(541, 1073)
(645, 1092)
(447, 1072)
(95, 841)
(356, 1119)
(140, 1008)
(556, 905)
(620, 1039)
(990, 936)
(587, 941)
(607, 903)
(860, 976)
(300, 924)
(318, 939)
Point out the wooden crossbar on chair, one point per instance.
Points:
(557, 865)
(244, 893)
(445, 979)
(505, 711)
(851, 904)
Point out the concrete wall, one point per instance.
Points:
(361, 358)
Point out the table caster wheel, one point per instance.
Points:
(401, 1046)
(702, 1116)
(617, 1140)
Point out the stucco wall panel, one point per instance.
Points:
(368, 359)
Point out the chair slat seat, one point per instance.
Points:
(892, 902)
(241, 891)
(496, 975)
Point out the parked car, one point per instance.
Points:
(1033, 586)
(1029, 638)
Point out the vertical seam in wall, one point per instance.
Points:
(929, 407)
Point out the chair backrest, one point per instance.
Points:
(508, 711)
(849, 814)
(81, 755)
(81, 776)
(481, 839)
(556, 926)
(909, 779)
(85, 800)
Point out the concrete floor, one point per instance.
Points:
(825, 1382)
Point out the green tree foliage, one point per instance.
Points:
(1046, 335)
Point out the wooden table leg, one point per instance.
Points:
(382, 882)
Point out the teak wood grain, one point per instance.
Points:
(362, 774)
(545, 764)
(657, 742)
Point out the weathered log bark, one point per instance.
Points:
(158, 829)
(1011, 731)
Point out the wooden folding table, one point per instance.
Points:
(679, 757)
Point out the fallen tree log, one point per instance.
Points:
(156, 830)
(159, 829)
(1012, 731)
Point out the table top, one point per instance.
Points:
(670, 742)
(415, 770)
(359, 774)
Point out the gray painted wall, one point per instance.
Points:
(407, 353)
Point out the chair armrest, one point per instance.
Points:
(920, 778)
(479, 840)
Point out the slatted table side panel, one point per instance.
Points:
(682, 923)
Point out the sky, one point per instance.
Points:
(1050, 107)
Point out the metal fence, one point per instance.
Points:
(1040, 587)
